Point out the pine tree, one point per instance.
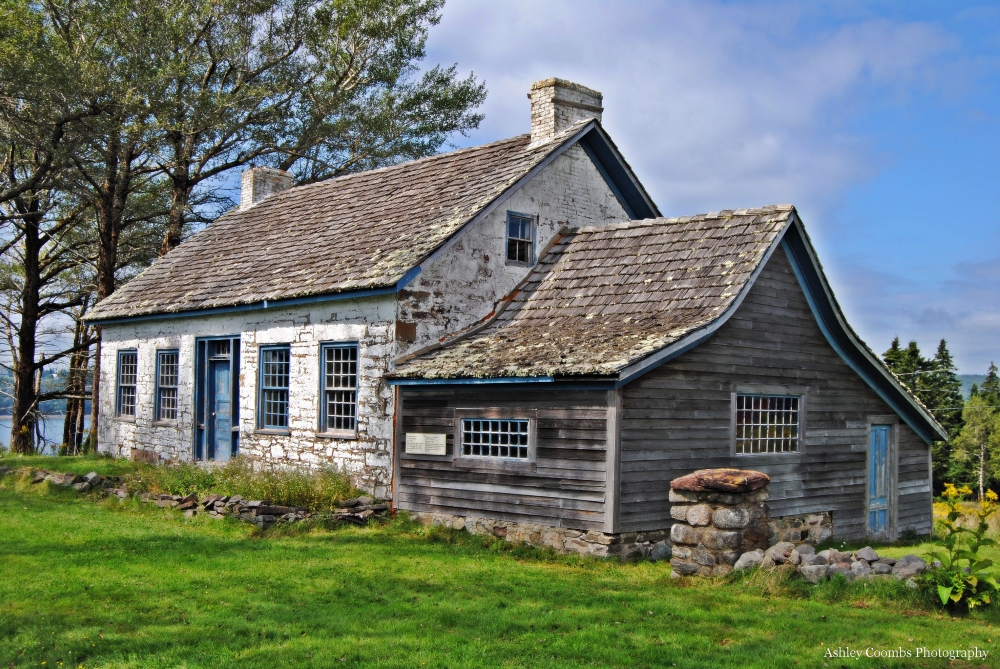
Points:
(944, 391)
(990, 390)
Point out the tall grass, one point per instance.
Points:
(318, 490)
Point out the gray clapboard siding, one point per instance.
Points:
(676, 418)
(566, 487)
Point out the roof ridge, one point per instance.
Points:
(664, 220)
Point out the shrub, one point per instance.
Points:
(963, 578)
(318, 490)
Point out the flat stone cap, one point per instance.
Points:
(721, 480)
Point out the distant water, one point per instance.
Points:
(52, 431)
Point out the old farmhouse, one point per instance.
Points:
(510, 338)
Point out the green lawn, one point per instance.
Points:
(112, 585)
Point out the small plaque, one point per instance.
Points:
(419, 443)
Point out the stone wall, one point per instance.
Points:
(809, 528)
(718, 518)
(629, 546)
(369, 321)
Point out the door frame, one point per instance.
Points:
(199, 445)
(892, 421)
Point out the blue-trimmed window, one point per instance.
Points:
(167, 371)
(520, 239)
(128, 368)
(339, 387)
(488, 438)
(275, 367)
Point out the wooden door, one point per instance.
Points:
(220, 403)
(878, 479)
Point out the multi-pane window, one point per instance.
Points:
(166, 385)
(520, 238)
(274, 370)
(340, 387)
(495, 438)
(767, 424)
(128, 366)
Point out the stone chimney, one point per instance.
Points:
(557, 104)
(261, 182)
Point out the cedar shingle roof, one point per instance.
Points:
(355, 232)
(605, 297)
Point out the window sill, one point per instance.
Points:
(516, 263)
(767, 458)
(343, 435)
(164, 423)
(124, 419)
(273, 432)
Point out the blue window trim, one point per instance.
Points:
(260, 388)
(534, 238)
(118, 384)
(321, 425)
(156, 387)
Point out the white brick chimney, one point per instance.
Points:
(557, 104)
(261, 182)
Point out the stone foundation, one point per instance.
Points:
(718, 514)
(628, 545)
(809, 528)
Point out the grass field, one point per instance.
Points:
(125, 585)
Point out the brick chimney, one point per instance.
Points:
(556, 104)
(261, 182)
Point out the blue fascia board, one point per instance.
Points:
(471, 381)
(268, 304)
(824, 311)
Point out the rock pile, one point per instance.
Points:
(720, 513)
(259, 512)
(815, 567)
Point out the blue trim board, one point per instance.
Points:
(827, 317)
(266, 304)
(471, 382)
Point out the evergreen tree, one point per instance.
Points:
(990, 390)
(977, 447)
(944, 391)
(974, 391)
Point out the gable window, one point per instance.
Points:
(166, 385)
(767, 424)
(520, 239)
(339, 387)
(275, 363)
(495, 438)
(128, 366)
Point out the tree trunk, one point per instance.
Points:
(178, 207)
(73, 388)
(23, 422)
(982, 467)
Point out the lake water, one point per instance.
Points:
(52, 431)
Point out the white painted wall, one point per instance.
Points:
(368, 321)
(465, 282)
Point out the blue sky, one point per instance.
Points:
(879, 121)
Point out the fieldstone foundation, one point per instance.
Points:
(627, 545)
(719, 514)
(810, 528)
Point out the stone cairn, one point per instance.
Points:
(719, 514)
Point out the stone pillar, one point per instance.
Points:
(718, 514)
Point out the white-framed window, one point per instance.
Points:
(505, 438)
(767, 423)
(275, 370)
(167, 369)
(520, 239)
(128, 368)
(339, 387)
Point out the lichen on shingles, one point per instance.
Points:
(605, 297)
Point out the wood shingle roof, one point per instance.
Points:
(356, 232)
(605, 297)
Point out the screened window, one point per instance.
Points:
(274, 370)
(128, 366)
(520, 238)
(340, 387)
(166, 385)
(495, 438)
(767, 424)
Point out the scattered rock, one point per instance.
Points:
(861, 569)
(814, 573)
(749, 559)
(908, 566)
(881, 568)
(82, 486)
(780, 552)
(93, 478)
(867, 554)
(842, 568)
(806, 549)
(661, 551)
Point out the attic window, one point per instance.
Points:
(767, 424)
(520, 239)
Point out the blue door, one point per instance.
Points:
(221, 420)
(878, 480)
